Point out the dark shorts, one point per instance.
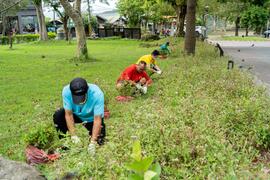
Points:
(61, 125)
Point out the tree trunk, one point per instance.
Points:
(10, 33)
(190, 38)
(65, 26)
(215, 23)
(74, 13)
(237, 26)
(180, 23)
(225, 24)
(247, 31)
(41, 23)
(4, 24)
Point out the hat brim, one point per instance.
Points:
(78, 99)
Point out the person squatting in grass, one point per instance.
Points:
(151, 62)
(82, 103)
(135, 76)
(164, 49)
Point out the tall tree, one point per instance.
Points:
(155, 10)
(257, 17)
(132, 10)
(75, 14)
(41, 20)
(180, 8)
(9, 8)
(190, 38)
(55, 4)
(234, 8)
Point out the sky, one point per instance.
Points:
(97, 7)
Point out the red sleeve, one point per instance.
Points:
(148, 80)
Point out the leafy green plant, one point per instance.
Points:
(24, 38)
(127, 89)
(142, 168)
(41, 137)
(150, 37)
(263, 135)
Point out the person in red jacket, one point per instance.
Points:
(136, 76)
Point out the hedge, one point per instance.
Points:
(22, 38)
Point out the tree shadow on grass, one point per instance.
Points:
(90, 59)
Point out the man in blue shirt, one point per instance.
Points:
(83, 103)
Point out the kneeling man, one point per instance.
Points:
(82, 103)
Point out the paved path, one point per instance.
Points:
(252, 55)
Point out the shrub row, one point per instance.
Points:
(23, 38)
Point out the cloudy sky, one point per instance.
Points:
(97, 7)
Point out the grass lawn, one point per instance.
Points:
(198, 120)
(239, 38)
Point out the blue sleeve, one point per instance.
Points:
(99, 105)
(67, 104)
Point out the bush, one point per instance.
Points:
(112, 38)
(24, 38)
(149, 37)
(263, 137)
(41, 137)
(51, 35)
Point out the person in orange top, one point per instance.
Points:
(136, 76)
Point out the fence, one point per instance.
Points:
(131, 33)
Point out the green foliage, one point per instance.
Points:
(93, 21)
(150, 37)
(43, 136)
(129, 90)
(24, 38)
(263, 136)
(132, 10)
(142, 167)
(198, 120)
(255, 17)
(249, 38)
(148, 10)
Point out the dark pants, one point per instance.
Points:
(61, 125)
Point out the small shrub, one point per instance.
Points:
(142, 168)
(263, 136)
(150, 37)
(147, 45)
(41, 137)
(51, 35)
(112, 38)
(24, 38)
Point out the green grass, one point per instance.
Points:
(239, 38)
(198, 120)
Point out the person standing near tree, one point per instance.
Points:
(82, 103)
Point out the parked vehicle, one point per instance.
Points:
(199, 30)
(266, 33)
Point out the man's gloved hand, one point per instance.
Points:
(92, 148)
(138, 86)
(144, 89)
(75, 139)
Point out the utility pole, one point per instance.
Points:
(54, 24)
